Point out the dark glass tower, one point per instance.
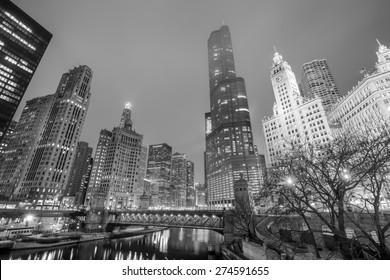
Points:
(23, 42)
(229, 141)
(79, 170)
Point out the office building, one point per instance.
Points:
(190, 184)
(80, 195)
(295, 120)
(317, 81)
(367, 105)
(105, 137)
(78, 172)
(179, 177)
(229, 139)
(25, 138)
(7, 139)
(200, 195)
(23, 42)
(119, 188)
(159, 162)
(48, 170)
(158, 175)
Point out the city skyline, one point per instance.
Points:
(168, 46)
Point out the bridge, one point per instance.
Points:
(201, 219)
(20, 213)
(99, 219)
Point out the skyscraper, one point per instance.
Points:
(23, 42)
(158, 174)
(190, 184)
(179, 177)
(97, 169)
(200, 195)
(7, 139)
(119, 187)
(79, 170)
(229, 140)
(295, 120)
(317, 81)
(25, 137)
(47, 174)
(159, 162)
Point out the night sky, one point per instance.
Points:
(154, 55)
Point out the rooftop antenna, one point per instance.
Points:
(379, 43)
(275, 49)
(223, 20)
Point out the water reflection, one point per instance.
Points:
(176, 243)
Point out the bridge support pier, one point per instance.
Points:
(97, 219)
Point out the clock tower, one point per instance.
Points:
(294, 120)
(284, 85)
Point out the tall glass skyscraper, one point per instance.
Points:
(229, 141)
(23, 42)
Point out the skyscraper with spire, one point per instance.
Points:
(120, 184)
(229, 140)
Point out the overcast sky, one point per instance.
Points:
(153, 53)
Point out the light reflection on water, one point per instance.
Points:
(175, 243)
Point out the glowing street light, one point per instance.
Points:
(28, 219)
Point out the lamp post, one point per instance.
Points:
(77, 229)
(28, 219)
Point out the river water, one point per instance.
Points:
(174, 243)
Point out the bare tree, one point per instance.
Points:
(326, 181)
(243, 214)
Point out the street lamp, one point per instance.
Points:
(28, 219)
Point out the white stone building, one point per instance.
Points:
(295, 119)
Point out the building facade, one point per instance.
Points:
(179, 177)
(48, 170)
(229, 139)
(105, 137)
(158, 176)
(23, 42)
(159, 162)
(367, 105)
(295, 120)
(190, 184)
(317, 81)
(119, 187)
(79, 170)
(200, 196)
(7, 139)
(25, 138)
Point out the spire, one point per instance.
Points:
(126, 121)
(277, 57)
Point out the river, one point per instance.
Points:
(174, 243)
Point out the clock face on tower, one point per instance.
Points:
(278, 79)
